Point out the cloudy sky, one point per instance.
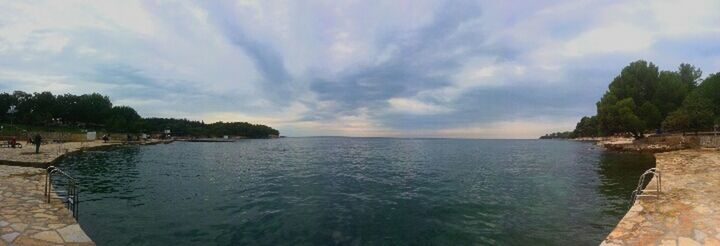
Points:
(405, 68)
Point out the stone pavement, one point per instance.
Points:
(688, 211)
(48, 152)
(25, 216)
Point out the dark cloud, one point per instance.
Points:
(421, 59)
(513, 102)
(267, 60)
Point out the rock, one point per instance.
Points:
(685, 241)
(9, 237)
(711, 242)
(699, 235)
(55, 226)
(668, 243)
(20, 227)
(74, 234)
(50, 236)
(607, 243)
(3, 223)
(26, 241)
(47, 216)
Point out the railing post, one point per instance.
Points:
(77, 203)
(72, 189)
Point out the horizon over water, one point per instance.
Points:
(356, 190)
(418, 138)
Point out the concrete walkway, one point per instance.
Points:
(25, 216)
(688, 211)
(48, 152)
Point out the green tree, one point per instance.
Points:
(699, 111)
(670, 93)
(637, 81)
(91, 108)
(607, 122)
(619, 116)
(689, 75)
(95, 111)
(123, 119)
(650, 115)
(629, 122)
(6, 100)
(710, 89)
(587, 127)
(641, 98)
(676, 121)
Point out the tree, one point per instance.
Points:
(607, 123)
(650, 115)
(676, 121)
(587, 127)
(6, 100)
(123, 119)
(94, 107)
(95, 111)
(637, 81)
(641, 98)
(689, 75)
(699, 111)
(627, 119)
(670, 93)
(710, 89)
(619, 116)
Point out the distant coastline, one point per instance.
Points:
(20, 115)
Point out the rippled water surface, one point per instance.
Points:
(365, 191)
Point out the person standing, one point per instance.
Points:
(37, 140)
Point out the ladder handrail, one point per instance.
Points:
(72, 192)
(638, 192)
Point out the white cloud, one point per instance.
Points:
(413, 106)
(614, 38)
(34, 82)
(52, 43)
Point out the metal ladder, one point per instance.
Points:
(70, 194)
(640, 192)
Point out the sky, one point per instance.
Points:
(403, 68)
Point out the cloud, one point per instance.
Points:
(413, 106)
(388, 68)
(619, 38)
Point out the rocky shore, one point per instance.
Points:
(687, 212)
(655, 143)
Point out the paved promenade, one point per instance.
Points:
(25, 216)
(48, 152)
(688, 211)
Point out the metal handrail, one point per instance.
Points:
(71, 194)
(639, 191)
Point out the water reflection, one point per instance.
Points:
(105, 171)
(619, 173)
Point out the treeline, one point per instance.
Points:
(96, 112)
(643, 99)
(186, 127)
(558, 135)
